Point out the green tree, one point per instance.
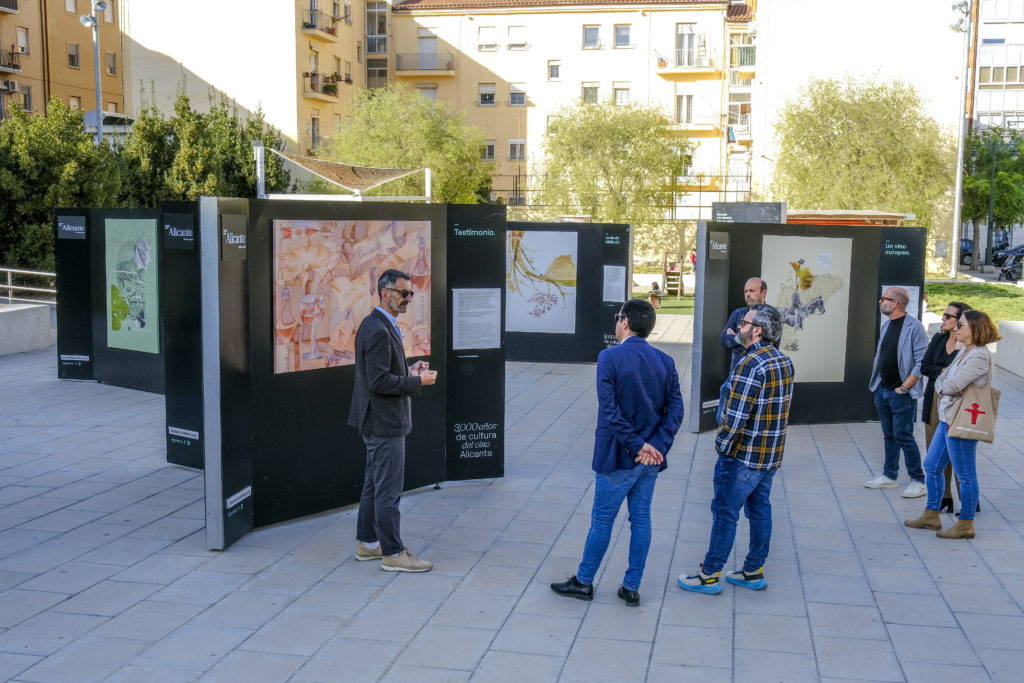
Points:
(990, 163)
(862, 145)
(230, 140)
(47, 162)
(145, 157)
(395, 127)
(193, 171)
(616, 164)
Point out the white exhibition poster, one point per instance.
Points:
(614, 284)
(476, 319)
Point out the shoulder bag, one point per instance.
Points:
(974, 414)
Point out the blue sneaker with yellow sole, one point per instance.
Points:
(752, 580)
(700, 582)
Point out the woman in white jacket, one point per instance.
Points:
(973, 365)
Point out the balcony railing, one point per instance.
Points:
(9, 5)
(319, 84)
(313, 143)
(321, 21)
(441, 61)
(10, 62)
(693, 58)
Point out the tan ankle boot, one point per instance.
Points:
(928, 520)
(964, 528)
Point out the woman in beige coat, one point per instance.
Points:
(973, 365)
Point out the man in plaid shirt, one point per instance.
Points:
(751, 438)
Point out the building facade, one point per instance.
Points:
(999, 79)
(45, 51)
(510, 66)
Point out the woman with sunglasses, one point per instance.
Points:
(973, 365)
(942, 350)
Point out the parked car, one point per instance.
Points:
(967, 248)
(999, 257)
(1011, 271)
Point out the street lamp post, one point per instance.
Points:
(91, 20)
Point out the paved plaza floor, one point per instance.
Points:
(104, 573)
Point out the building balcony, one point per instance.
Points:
(708, 125)
(9, 6)
(742, 59)
(701, 180)
(321, 86)
(425, 64)
(687, 64)
(10, 62)
(740, 128)
(320, 25)
(312, 144)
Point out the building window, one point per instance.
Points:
(739, 109)
(359, 53)
(517, 38)
(71, 6)
(591, 37)
(111, 107)
(620, 91)
(348, 14)
(486, 95)
(111, 64)
(429, 92)
(622, 35)
(26, 94)
(684, 108)
(73, 55)
(487, 150)
(108, 13)
(75, 102)
(335, 10)
(517, 149)
(516, 199)
(376, 73)
(487, 39)
(22, 40)
(554, 69)
(516, 94)
(589, 93)
(348, 70)
(376, 28)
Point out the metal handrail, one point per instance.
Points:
(10, 286)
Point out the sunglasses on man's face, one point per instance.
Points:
(404, 293)
(619, 316)
(948, 316)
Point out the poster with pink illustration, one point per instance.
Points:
(325, 279)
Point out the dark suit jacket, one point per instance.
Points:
(638, 400)
(380, 402)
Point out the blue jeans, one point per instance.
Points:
(637, 487)
(945, 448)
(896, 414)
(737, 486)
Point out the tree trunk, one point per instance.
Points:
(976, 246)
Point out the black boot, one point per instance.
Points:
(574, 589)
(946, 505)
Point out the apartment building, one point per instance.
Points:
(511, 65)
(46, 51)
(999, 94)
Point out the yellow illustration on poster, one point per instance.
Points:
(809, 282)
(132, 292)
(325, 283)
(540, 281)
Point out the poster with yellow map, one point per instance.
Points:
(540, 281)
(325, 280)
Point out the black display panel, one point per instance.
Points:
(534, 271)
(305, 457)
(124, 284)
(475, 405)
(72, 258)
(181, 294)
(826, 280)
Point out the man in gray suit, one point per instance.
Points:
(382, 412)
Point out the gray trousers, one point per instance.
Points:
(379, 518)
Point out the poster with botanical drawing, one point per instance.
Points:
(325, 283)
(132, 292)
(809, 282)
(540, 281)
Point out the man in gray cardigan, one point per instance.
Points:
(382, 412)
(894, 381)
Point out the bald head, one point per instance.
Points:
(754, 292)
(894, 302)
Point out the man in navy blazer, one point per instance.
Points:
(382, 412)
(639, 412)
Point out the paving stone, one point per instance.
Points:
(518, 666)
(18, 605)
(148, 620)
(447, 647)
(46, 632)
(846, 621)
(107, 598)
(355, 659)
(192, 647)
(761, 665)
(542, 635)
(856, 659)
(87, 659)
(388, 622)
(400, 673)
(594, 659)
(254, 667)
(293, 634)
(773, 633)
(693, 646)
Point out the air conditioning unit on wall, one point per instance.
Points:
(12, 86)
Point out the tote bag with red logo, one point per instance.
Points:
(975, 412)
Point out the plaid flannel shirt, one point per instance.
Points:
(753, 426)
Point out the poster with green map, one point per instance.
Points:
(132, 290)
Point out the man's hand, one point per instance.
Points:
(649, 455)
(418, 367)
(730, 331)
(428, 377)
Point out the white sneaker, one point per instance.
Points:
(881, 482)
(915, 490)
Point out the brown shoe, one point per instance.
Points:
(964, 528)
(929, 520)
(363, 553)
(405, 562)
